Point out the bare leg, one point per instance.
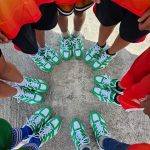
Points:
(118, 45)
(6, 90)
(63, 23)
(9, 72)
(79, 19)
(104, 33)
(40, 37)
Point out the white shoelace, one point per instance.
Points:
(34, 121)
(102, 58)
(48, 52)
(95, 50)
(75, 42)
(100, 129)
(82, 139)
(107, 80)
(44, 132)
(106, 95)
(32, 84)
(66, 43)
(26, 94)
(40, 59)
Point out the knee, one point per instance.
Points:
(79, 14)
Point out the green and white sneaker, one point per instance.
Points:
(94, 52)
(50, 54)
(102, 61)
(104, 94)
(99, 127)
(78, 46)
(39, 118)
(106, 81)
(79, 135)
(34, 84)
(29, 96)
(66, 48)
(42, 62)
(49, 130)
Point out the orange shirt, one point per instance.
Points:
(139, 147)
(137, 7)
(15, 13)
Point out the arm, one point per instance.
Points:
(144, 21)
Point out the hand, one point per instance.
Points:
(3, 38)
(97, 1)
(146, 105)
(144, 21)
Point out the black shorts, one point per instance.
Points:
(26, 39)
(109, 14)
(0, 52)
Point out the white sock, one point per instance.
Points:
(66, 34)
(18, 90)
(76, 33)
(23, 82)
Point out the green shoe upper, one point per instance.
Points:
(78, 46)
(99, 126)
(42, 62)
(105, 94)
(94, 52)
(39, 118)
(29, 96)
(49, 130)
(66, 48)
(78, 134)
(105, 80)
(50, 54)
(34, 84)
(102, 61)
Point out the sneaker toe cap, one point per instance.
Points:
(48, 66)
(43, 87)
(96, 65)
(97, 90)
(78, 53)
(66, 54)
(87, 58)
(38, 98)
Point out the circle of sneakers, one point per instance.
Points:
(43, 128)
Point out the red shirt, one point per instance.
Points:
(66, 2)
(142, 146)
(137, 7)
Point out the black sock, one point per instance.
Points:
(115, 98)
(109, 53)
(102, 45)
(118, 87)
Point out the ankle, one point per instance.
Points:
(76, 33)
(119, 87)
(116, 98)
(110, 53)
(101, 45)
(66, 34)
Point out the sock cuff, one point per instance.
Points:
(109, 53)
(18, 90)
(118, 87)
(32, 146)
